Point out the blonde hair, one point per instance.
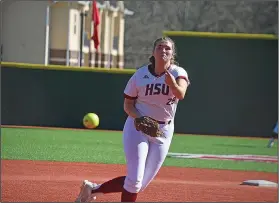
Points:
(164, 39)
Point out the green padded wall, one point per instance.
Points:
(234, 85)
(60, 98)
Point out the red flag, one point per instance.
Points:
(96, 21)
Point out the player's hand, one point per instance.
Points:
(169, 79)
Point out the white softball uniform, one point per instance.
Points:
(145, 155)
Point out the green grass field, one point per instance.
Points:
(106, 147)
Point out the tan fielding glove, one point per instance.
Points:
(148, 126)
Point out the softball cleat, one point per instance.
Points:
(85, 194)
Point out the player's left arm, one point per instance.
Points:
(178, 84)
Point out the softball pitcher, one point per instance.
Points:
(151, 98)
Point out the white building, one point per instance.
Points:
(49, 32)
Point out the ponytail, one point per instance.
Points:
(152, 61)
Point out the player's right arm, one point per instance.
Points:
(131, 95)
(130, 109)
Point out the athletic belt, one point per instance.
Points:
(164, 122)
(160, 122)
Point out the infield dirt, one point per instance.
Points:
(43, 181)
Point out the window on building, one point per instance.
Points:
(75, 23)
(115, 42)
(86, 41)
(113, 3)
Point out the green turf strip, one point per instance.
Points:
(106, 147)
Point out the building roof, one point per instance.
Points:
(112, 5)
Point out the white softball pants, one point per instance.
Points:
(144, 155)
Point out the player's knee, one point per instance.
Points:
(132, 186)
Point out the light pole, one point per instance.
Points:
(47, 32)
(82, 16)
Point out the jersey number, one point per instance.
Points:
(171, 101)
